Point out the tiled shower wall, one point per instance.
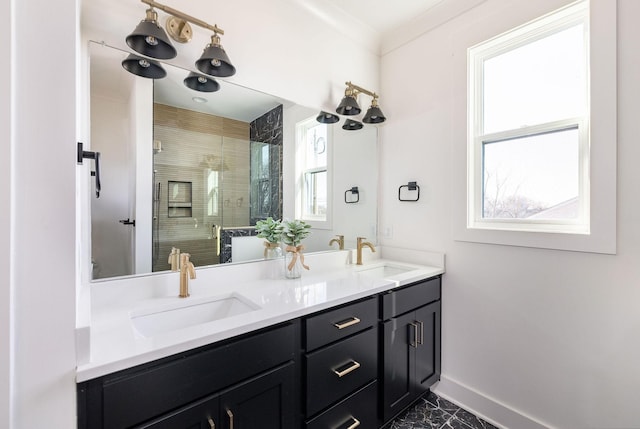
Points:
(266, 174)
(197, 148)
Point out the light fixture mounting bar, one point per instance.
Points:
(177, 13)
(358, 88)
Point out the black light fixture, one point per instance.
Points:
(201, 83)
(374, 115)
(327, 118)
(143, 67)
(351, 125)
(214, 60)
(150, 40)
(349, 105)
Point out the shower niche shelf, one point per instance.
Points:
(179, 202)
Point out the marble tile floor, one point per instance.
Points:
(433, 412)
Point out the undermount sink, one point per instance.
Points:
(190, 313)
(385, 271)
(388, 270)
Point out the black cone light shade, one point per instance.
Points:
(350, 125)
(214, 60)
(327, 118)
(374, 115)
(143, 67)
(201, 83)
(348, 106)
(150, 40)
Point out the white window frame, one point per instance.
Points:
(302, 128)
(602, 132)
(477, 55)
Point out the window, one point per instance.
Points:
(312, 166)
(211, 196)
(528, 142)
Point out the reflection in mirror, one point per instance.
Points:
(197, 170)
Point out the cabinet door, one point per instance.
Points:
(199, 415)
(400, 335)
(265, 402)
(427, 354)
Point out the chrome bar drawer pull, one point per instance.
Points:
(346, 323)
(230, 414)
(341, 373)
(421, 324)
(211, 423)
(355, 424)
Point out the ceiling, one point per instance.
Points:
(384, 15)
(384, 25)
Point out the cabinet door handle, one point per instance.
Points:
(346, 323)
(414, 343)
(341, 373)
(355, 423)
(230, 414)
(421, 324)
(211, 423)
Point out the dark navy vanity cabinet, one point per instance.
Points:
(354, 365)
(226, 385)
(410, 344)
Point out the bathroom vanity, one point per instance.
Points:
(349, 348)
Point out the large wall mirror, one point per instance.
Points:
(196, 170)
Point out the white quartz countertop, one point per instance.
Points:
(115, 343)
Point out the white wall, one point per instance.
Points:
(111, 249)
(41, 197)
(354, 153)
(531, 337)
(141, 210)
(6, 128)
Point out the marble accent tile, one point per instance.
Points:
(471, 420)
(433, 412)
(266, 186)
(441, 403)
(422, 416)
(226, 236)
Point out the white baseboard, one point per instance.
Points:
(489, 409)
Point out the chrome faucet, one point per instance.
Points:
(362, 244)
(340, 240)
(187, 270)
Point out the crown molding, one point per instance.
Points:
(437, 15)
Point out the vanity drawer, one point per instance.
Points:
(357, 411)
(399, 301)
(341, 368)
(338, 323)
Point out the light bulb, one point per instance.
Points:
(151, 40)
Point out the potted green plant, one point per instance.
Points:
(271, 230)
(294, 232)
